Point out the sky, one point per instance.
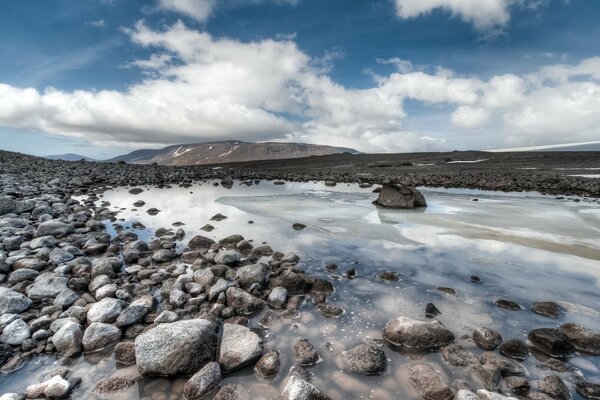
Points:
(104, 77)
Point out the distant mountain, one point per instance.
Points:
(584, 146)
(69, 157)
(226, 152)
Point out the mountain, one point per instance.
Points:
(226, 152)
(582, 146)
(69, 157)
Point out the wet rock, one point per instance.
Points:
(113, 385)
(415, 334)
(514, 348)
(15, 333)
(554, 387)
(125, 353)
(306, 353)
(163, 255)
(56, 387)
(251, 275)
(228, 257)
(54, 228)
(429, 384)
(203, 382)
(12, 302)
(588, 390)
(298, 226)
(465, 394)
(268, 365)
(457, 355)
(395, 196)
(506, 366)
(106, 310)
(330, 311)
(67, 340)
(218, 217)
(487, 338)
(99, 335)
(365, 359)
(200, 242)
(135, 312)
(583, 339)
(299, 389)
(277, 297)
(239, 347)
(552, 342)
(178, 348)
(508, 304)
(518, 385)
(153, 211)
(548, 309)
(231, 391)
(431, 311)
(293, 282)
(243, 302)
(487, 395)
(388, 276)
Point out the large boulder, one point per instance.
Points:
(239, 347)
(178, 348)
(415, 334)
(396, 196)
(12, 302)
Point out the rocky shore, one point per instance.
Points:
(68, 287)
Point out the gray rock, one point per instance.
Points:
(106, 310)
(166, 317)
(56, 387)
(54, 228)
(125, 353)
(228, 257)
(465, 395)
(277, 297)
(415, 334)
(200, 242)
(66, 298)
(554, 387)
(15, 333)
(487, 395)
(219, 287)
(305, 352)
(429, 384)
(487, 338)
(268, 365)
(395, 196)
(239, 347)
(178, 348)
(21, 275)
(67, 339)
(365, 359)
(243, 302)
(203, 382)
(232, 391)
(59, 256)
(42, 241)
(12, 302)
(99, 335)
(163, 255)
(583, 339)
(548, 309)
(252, 274)
(458, 356)
(135, 312)
(47, 285)
(299, 389)
(551, 341)
(106, 291)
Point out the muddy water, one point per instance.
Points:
(524, 247)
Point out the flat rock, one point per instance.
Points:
(552, 342)
(12, 302)
(415, 334)
(306, 353)
(458, 356)
(47, 285)
(548, 309)
(487, 338)
(364, 359)
(583, 339)
(239, 347)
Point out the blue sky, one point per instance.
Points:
(103, 77)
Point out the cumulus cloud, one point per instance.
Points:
(200, 10)
(199, 87)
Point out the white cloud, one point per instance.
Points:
(198, 87)
(200, 10)
(100, 23)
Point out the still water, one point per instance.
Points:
(524, 246)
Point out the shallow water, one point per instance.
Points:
(525, 247)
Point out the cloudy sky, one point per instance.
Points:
(103, 77)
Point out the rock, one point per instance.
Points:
(395, 196)
(12, 396)
(67, 339)
(508, 304)
(506, 366)
(239, 347)
(47, 285)
(232, 391)
(113, 385)
(42, 241)
(218, 217)
(56, 387)
(588, 390)
(548, 309)
(243, 302)
(298, 226)
(220, 286)
(465, 395)
(486, 395)
(54, 228)
(163, 255)
(431, 311)
(365, 359)
(166, 317)
(99, 335)
(178, 348)
(428, 382)
(12, 302)
(299, 389)
(293, 282)
(487, 338)
(15, 333)
(125, 353)
(415, 334)
(514, 348)
(203, 382)
(458, 356)
(330, 311)
(305, 352)
(252, 274)
(21, 275)
(583, 339)
(135, 312)
(518, 385)
(277, 297)
(66, 298)
(228, 257)
(106, 310)
(268, 365)
(552, 342)
(200, 242)
(389, 276)
(554, 387)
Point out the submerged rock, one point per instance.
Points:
(395, 196)
(487, 338)
(178, 348)
(457, 355)
(554, 387)
(552, 342)
(428, 382)
(415, 334)
(583, 339)
(299, 389)
(514, 348)
(268, 365)
(115, 384)
(232, 391)
(548, 309)
(305, 352)
(203, 382)
(364, 359)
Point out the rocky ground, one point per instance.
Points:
(67, 287)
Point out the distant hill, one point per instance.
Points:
(69, 157)
(226, 152)
(586, 146)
